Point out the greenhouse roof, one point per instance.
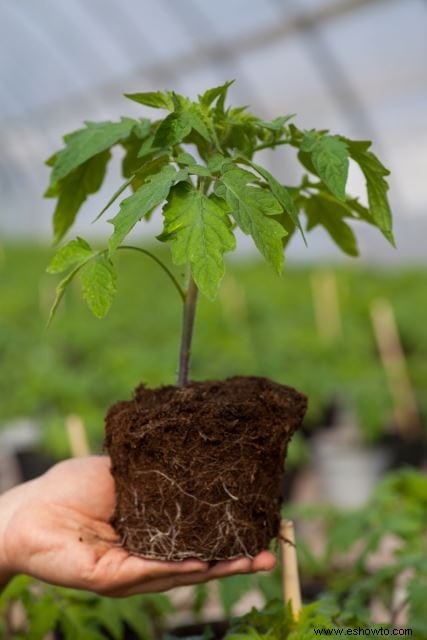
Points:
(356, 66)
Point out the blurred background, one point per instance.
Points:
(350, 334)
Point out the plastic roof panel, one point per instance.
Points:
(358, 68)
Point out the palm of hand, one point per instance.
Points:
(58, 531)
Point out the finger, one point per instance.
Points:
(118, 570)
(264, 561)
(221, 570)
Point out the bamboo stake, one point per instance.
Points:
(326, 305)
(77, 437)
(395, 366)
(290, 576)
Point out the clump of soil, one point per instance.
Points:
(198, 469)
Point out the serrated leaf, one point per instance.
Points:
(330, 158)
(73, 252)
(330, 215)
(147, 197)
(283, 196)
(375, 173)
(199, 232)
(85, 143)
(98, 280)
(251, 208)
(155, 99)
(74, 190)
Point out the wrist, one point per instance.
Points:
(8, 504)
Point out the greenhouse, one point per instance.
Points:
(213, 350)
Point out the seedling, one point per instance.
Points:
(198, 163)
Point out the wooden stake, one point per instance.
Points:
(290, 577)
(77, 437)
(326, 305)
(395, 366)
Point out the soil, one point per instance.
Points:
(198, 469)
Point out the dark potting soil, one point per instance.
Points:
(198, 469)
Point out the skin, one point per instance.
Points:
(55, 529)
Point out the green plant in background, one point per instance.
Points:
(79, 615)
(206, 195)
(84, 364)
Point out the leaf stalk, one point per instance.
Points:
(172, 278)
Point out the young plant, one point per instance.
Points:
(207, 195)
(200, 449)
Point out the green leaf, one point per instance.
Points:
(330, 215)
(108, 614)
(155, 99)
(137, 179)
(251, 207)
(85, 143)
(115, 195)
(135, 616)
(201, 595)
(15, 589)
(74, 251)
(217, 161)
(132, 209)
(209, 96)
(232, 589)
(60, 290)
(179, 124)
(74, 190)
(417, 594)
(277, 124)
(283, 196)
(375, 173)
(200, 233)
(193, 167)
(142, 128)
(329, 155)
(99, 284)
(172, 130)
(43, 616)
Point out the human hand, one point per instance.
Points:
(55, 528)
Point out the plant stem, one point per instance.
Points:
(270, 145)
(188, 315)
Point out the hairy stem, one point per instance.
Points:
(188, 315)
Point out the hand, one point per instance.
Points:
(56, 529)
